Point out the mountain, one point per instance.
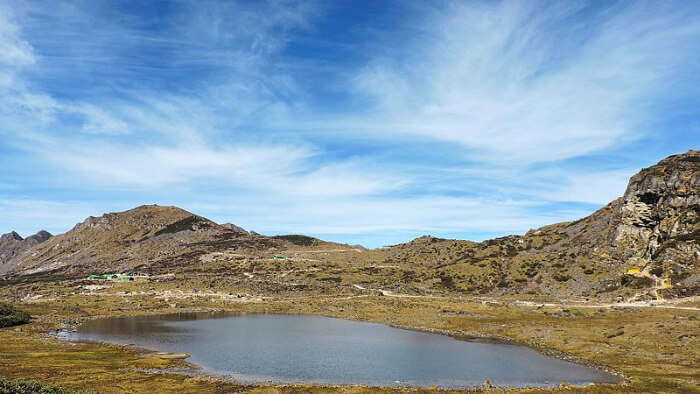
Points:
(645, 244)
(12, 244)
(141, 238)
(654, 228)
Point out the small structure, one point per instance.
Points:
(633, 271)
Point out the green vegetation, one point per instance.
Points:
(11, 316)
(30, 386)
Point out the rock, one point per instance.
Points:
(234, 228)
(172, 356)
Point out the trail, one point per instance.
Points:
(389, 293)
(666, 304)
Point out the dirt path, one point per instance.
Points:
(388, 293)
(667, 304)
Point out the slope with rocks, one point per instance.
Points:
(12, 245)
(641, 245)
(143, 238)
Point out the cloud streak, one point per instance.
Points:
(531, 81)
(453, 117)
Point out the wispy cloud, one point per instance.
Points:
(452, 117)
(531, 81)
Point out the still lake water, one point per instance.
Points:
(302, 348)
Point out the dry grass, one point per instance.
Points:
(656, 349)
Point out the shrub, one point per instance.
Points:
(11, 316)
(31, 387)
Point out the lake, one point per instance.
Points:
(303, 348)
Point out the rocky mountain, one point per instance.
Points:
(143, 238)
(644, 244)
(13, 245)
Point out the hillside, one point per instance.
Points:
(143, 238)
(148, 239)
(643, 245)
(653, 229)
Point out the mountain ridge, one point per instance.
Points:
(12, 244)
(651, 231)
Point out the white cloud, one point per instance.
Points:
(14, 51)
(507, 83)
(378, 215)
(592, 187)
(525, 82)
(99, 121)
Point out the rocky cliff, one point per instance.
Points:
(645, 244)
(660, 213)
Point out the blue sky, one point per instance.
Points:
(360, 122)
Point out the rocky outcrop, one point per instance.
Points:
(654, 228)
(234, 228)
(660, 221)
(661, 203)
(12, 244)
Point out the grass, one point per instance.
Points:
(11, 316)
(652, 347)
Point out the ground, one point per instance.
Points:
(655, 349)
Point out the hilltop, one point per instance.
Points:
(140, 238)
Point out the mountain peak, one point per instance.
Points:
(674, 176)
(124, 240)
(39, 237)
(12, 235)
(13, 245)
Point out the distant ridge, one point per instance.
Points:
(13, 245)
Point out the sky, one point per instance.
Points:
(363, 122)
